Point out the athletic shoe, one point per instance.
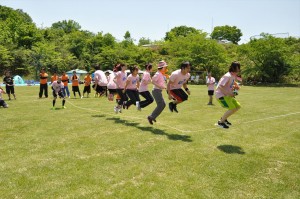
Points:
(222, 125)
(138, 106)
(53, 108)
(63, 107)
(116, 109)
(5, 105)
(175, 108)
(150, 120)
(81, 97)
(171, 106)
(209, 103)
(227, 122)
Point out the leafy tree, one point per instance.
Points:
(5, 59)
(67, 26)
(144, 41)
(180, 31)
(230, 33)
(269, 57)
(204, 54)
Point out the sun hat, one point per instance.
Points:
(162, 64)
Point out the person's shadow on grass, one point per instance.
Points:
(175, 137)
(231, 149)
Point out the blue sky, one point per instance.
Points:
(153, 18)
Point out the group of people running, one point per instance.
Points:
(129, 88)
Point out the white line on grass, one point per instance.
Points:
(184, 131)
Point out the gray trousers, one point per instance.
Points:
(157, 95)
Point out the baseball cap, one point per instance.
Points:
(162, 64)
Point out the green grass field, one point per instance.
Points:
(88, 151)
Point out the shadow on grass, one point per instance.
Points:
(98, 115)
(231, 149)
(175, 137)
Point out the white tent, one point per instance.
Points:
(79, 73)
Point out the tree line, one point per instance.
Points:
(25, 49)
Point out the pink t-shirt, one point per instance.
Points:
(111, 84)
(132, 85)
(146, 79)
(227, 82)
(100, 78)
(57, 86)
(211, 83)
(158, 79)
(177, 79)
(120, 78)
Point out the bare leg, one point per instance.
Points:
(227, 114)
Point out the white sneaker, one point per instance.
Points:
(116, 109)
(138, 106)
(81, 97)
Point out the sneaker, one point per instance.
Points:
(53, 108)
(138, 106)
(150, 120)
(209, 103)
(81, 97)
(116, 109)
(222, 125)
(5, 105)
(63, 107)
(171, 106)
(175, 108)
(227, 122)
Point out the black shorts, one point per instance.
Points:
(179, 95)
(10, 89)
(87, 89)
(75, 88)
(112, 91)
(210, 92)
(100, 89)
(60, 94)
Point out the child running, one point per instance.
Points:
(100, 80)
(225, 94)
(57, 87)
(158, 80)
(111, 85)
(131, 87)
(143, 89)
(177, 80)
(120, 80)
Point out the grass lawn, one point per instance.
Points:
(88, 151)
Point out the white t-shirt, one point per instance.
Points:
(177, 79)
(211, 83)
(146, 79)
(100, 78)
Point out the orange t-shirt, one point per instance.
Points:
(54, 78)
(65, 79)
(75, 80)
(43, 78)
(87, 80)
